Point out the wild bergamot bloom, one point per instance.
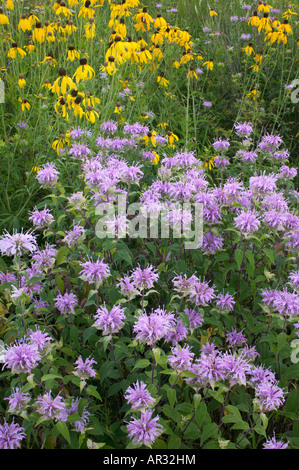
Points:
(84, 71)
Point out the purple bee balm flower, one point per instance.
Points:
(22, 124)
(66, 303)
(177, 333)
(234, 19)
(77, 133)
(221, 162)
(81, 424)
(209, 370)
(21, 357)
(246, 36)
(94, 271)
(181, 358)
(109, 321)
(139, 397)
(234, 368)
(263, 184)
(207, 104)
(235, 338)
(274, 444)
(41, 219)
(109, 126)
(75, 236)
(40, 338)
(195, 318)
(7, 277)
(45, 259)
(294, 280)
(211, 243)
(270, 143)
(84, 369)
(47, 176)
(17, 243)
(269, 396)
(287, 173)
(259, 374)
(11, 435)
(50, 407)
(286, 303)
(145, 278)
(78, 151)
(281, 155)
(225, 302)
(184, 285)
(202, 293)
(247, 222)
(137, 130)
(220, 144)
(18, 401)
(144, 430)
(127, 287)
(151, 328)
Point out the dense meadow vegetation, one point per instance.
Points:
(149, 279)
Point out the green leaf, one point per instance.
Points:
(201, 413)
(91, 390)
(51, 377)
(171, 395)
(239, 257)
(63, 429)
(141, 364)
(210, 430)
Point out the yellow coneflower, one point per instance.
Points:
(150, 137)
(21, 81)
(192, 74)
(171, 137)
(58, 144)
(282, 37)
(70, 27)
(155, 160)
(63, 10)
(276, 23)
(10, 5)
(72, 53)
(265, 23)
(184, 37)
(254, 20)
(118, 108)
(49, 59)
(35, 169)
(176, 64)
(47, 84)
(285, 27)
(162, 125)
(254, 94)
(86, 10)
(157, 53)
(160, 22)
(24, 104)
(32, 19)
(145, 56)
(209, 64)
(62, 83)
(210, 163)
(38, 34)
(162, 81)
(121, 28)
(84, 71)
(264, 8)
(91, 114)
(272, 36)
(288, 13)
(12, 53)
(24, 24)
(30, 48)
(213, 12)
(248, 49)
(157, 38)
(60, 108)
(78, 111)
(186, 57)
(109, 66)
(90, 29)
(90, 100)
(3, 18)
